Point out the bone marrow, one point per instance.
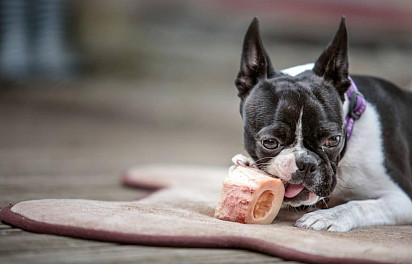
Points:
(249, 196)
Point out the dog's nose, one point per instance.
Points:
(306, 164)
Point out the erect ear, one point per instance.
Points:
(332, 64)
(255, 63)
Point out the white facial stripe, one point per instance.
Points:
(283, 165)
(298, 131)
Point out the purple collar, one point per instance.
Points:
(357, 105)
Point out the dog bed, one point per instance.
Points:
(179, 213)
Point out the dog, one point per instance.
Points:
(344, 140)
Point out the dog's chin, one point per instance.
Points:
(305, 197)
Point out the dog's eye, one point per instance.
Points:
(270, 143)
(332, 141)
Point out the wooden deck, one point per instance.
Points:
(73, 140)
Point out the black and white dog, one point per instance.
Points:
(298, 126)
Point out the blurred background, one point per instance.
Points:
(89, 88)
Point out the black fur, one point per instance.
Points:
(272, 109)
(271, 103)
(255, 63)
(332, 64)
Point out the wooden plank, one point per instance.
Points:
(136, 254)
(21, 241)
(60, 150)
(4, 226)
(21, 247)
(77, 187)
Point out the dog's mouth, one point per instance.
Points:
(293, 190)
(297, 194)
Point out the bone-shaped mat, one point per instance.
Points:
(180, 213)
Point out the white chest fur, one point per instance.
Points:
(361, 172)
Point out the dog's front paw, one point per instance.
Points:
(333, 219)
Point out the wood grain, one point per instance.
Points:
(53, 145)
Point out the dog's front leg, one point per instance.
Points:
(391, 209)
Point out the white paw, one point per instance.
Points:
(333, 219)
(242, 160)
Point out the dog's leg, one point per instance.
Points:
(391, 209)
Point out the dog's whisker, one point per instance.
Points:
(267, 157)
(340, 181)
(340, 167)
(326, 204)
(345, 187)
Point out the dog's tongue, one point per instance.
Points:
(292, 190)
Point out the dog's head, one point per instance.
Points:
(294, 125)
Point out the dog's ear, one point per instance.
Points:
(332, 64)
(255, 63)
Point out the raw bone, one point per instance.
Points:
(249, 196)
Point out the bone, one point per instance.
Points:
(249, 196)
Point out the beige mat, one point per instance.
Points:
(180, 213)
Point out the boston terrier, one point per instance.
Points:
(333, 138)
